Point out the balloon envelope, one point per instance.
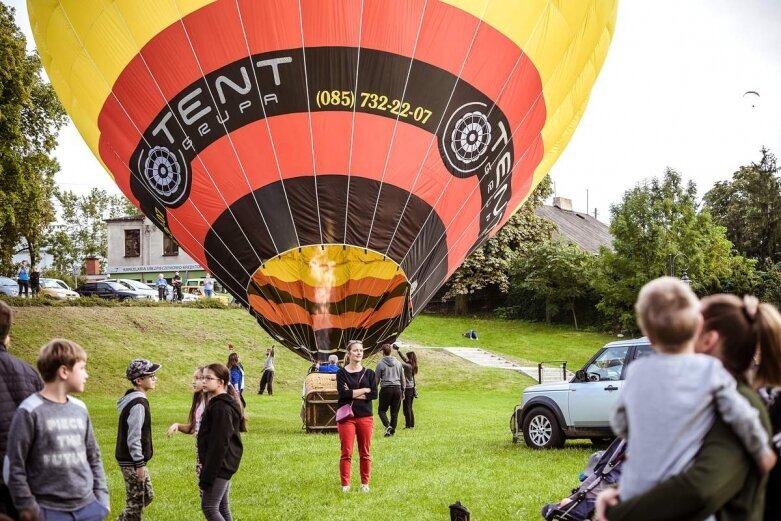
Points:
(330, 162)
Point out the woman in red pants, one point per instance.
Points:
(357, 388)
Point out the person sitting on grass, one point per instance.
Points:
(665, 424)
(53, 466)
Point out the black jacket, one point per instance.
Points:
(134, 434)
(219, 441)
(17, 381)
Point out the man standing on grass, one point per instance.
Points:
(134, 439)
(268, 373)
(390, 375)
(17, 381)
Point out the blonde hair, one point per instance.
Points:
(668, 313)
(57, 353)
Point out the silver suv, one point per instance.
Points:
(580, 408)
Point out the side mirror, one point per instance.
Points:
(580, 375)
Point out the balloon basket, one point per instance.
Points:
(318, 411)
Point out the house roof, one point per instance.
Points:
(127, 218)
(580, 229)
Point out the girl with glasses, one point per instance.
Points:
(219, 444)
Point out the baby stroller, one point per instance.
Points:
(603, 470)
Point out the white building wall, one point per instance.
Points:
(151, 258)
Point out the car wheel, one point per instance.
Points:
(541, 430)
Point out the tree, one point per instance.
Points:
(749, 207)
(491, 264)
(30, 116)
(653, 222)
(556, 274)
(82, 231)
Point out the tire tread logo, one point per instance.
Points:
(467, 138)
(164, 174)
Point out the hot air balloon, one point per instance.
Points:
(330, 162)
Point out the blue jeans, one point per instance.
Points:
(208, 293)
(95, 511)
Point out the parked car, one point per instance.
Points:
(549, 414)
(61, 284)
(169, 293)
(198, 293)
(109, 290)
(9, 287)
(138, 287)
(51, 289)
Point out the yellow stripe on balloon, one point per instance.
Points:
(330, 266)
(84, 50)
(567, 41)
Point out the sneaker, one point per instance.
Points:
(345, 488)
(364, 488)
(388, 432)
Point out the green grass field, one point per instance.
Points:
(460, 450)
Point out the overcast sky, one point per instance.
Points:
(671, 93)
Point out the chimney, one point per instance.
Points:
(562, 203)
(93, 265)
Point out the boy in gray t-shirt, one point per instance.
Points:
(53, 464)
(670, 399)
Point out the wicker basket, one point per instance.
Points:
(320, 402)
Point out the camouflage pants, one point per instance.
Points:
(138, 493)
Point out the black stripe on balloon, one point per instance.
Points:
(385, 331)
(356, 302)
(473, 135)
(363, 192)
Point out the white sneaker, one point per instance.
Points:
(364, 488)
(345, 488)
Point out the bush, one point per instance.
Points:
(88, 302)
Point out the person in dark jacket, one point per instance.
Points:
(134, 439)
(219, 444)
(35, 281)
(392, 382)
(18, 380)
(357, 388)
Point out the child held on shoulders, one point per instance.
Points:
(670, 400)
(134, 438)
(53, 468)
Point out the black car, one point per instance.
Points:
(107, 290)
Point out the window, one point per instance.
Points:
(169, 246)
(608, 366)
(132, 243)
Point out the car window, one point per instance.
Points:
(50, 284)
(642, 351)
(608, 366)
(134, 284)
(61, 284)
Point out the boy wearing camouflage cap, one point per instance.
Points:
(134, 439)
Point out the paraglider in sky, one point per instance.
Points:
(752, 95)
(331, 163)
